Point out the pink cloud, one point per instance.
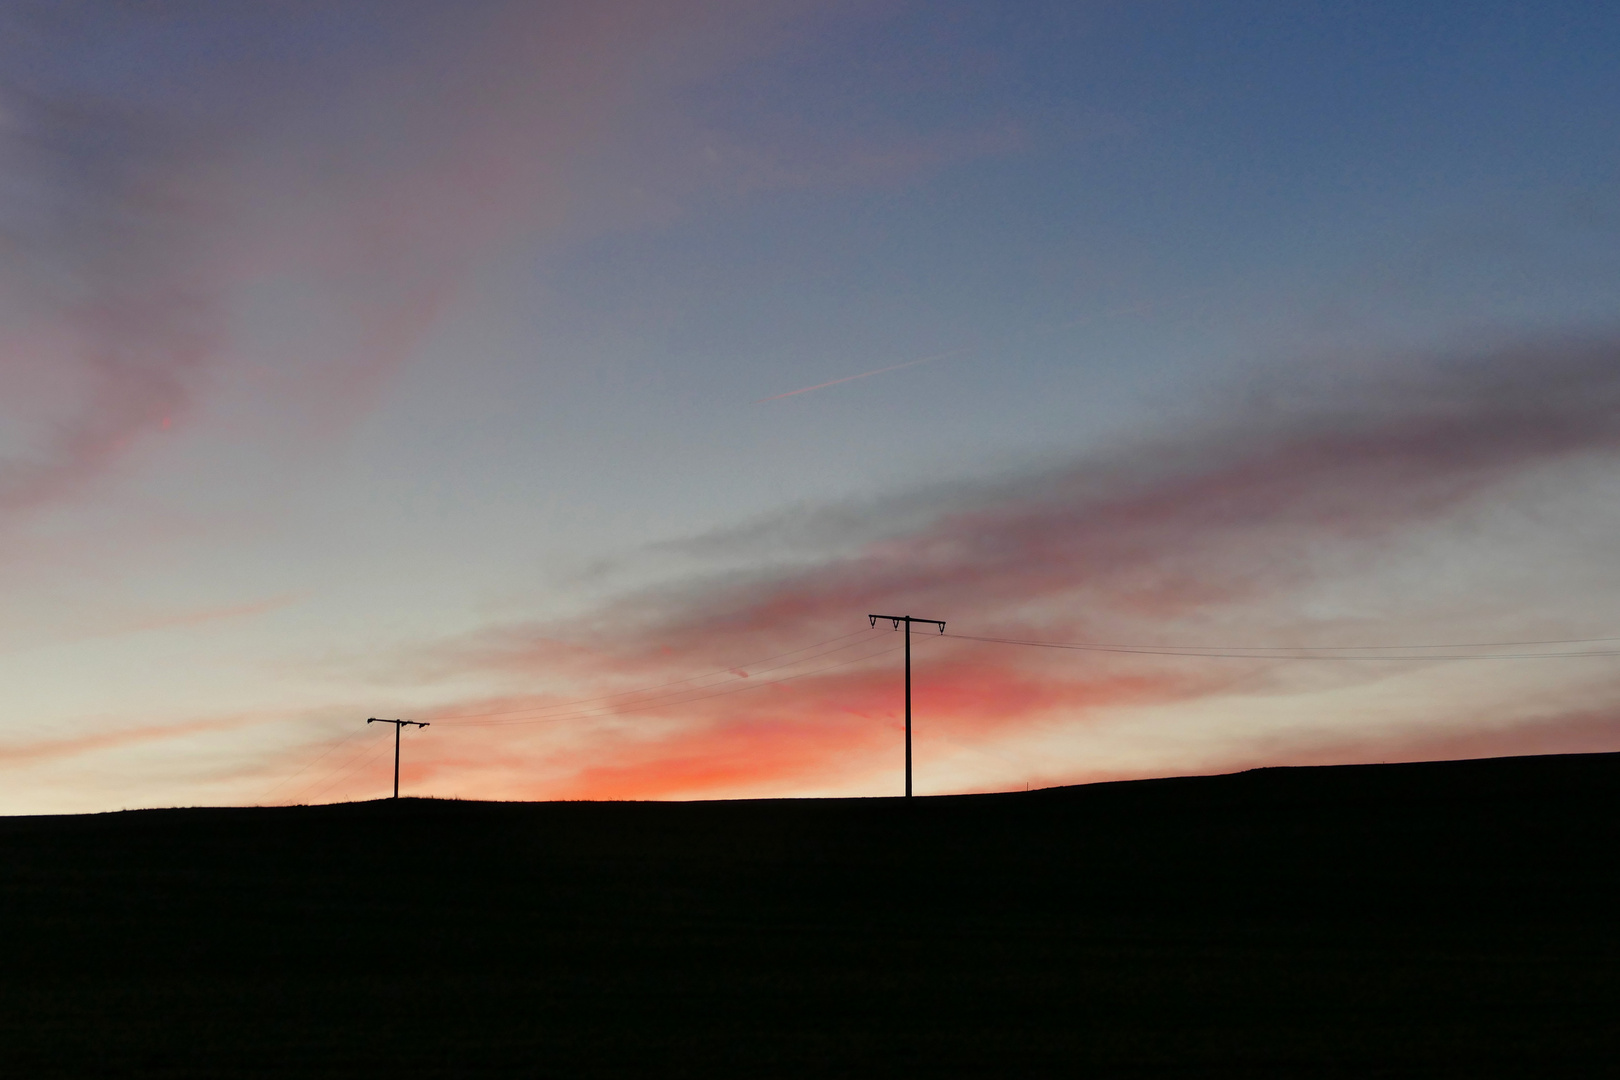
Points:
(199, 616)
(41, 750)
(370, 191)
(805, 733)
(1220, 529)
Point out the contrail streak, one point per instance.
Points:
(862, 375)
(1096, 316)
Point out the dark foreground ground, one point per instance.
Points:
(1449, 919)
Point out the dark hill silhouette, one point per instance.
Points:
(1453, 918)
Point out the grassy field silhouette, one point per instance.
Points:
(1453, 918)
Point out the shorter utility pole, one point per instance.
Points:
(399, 725)
(908, 620)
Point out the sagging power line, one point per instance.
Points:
(1306, 652)
(658, 694)
(908, 620)
(690, 690)
(608, 708)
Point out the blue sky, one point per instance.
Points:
(367, 359)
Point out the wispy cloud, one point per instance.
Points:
(111, 315)
(119, 625)
(138, 223)
(31, 753)
(1216, 533)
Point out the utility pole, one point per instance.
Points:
(399, 725)
(908, 620)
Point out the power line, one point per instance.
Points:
(673, 698)
(602, 706)
(307, 766)
(343, 772)
(1303, 653)
(302, 794)
(648, 706)
(1321, 648)
(684, 695)
(674, 682)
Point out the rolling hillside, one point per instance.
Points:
(1453, 918)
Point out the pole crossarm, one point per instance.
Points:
(401, 725)
(906, 621)
(898, 619)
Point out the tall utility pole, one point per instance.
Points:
(908, 620)
(399, 725)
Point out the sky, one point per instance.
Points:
(1239, 382)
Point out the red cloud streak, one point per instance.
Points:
(48, 749)
(1210, 532)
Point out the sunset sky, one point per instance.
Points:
(577, 377)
